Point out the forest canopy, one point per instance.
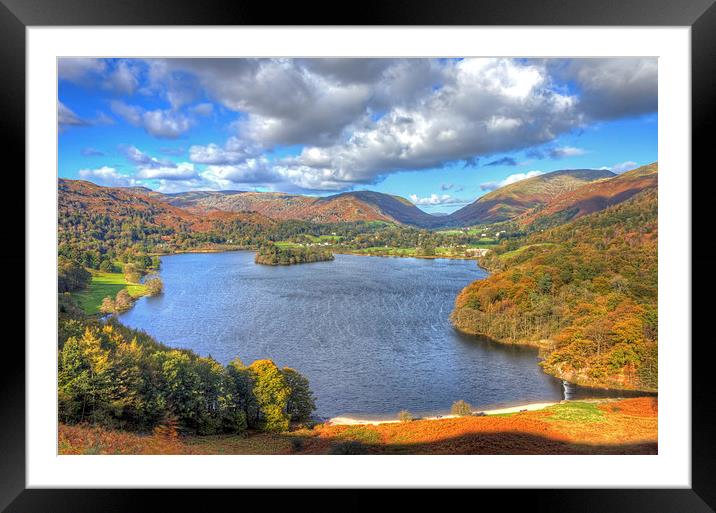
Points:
(272, 254)
(585, 292)
(117, 377)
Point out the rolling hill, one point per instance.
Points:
(512, 200)
(79, 197)
(584, 291)
(345, 207)
(546, 199)
(593, 197)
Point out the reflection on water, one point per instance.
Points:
(371, 334)
(574, 392)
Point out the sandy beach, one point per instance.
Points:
(352, 421)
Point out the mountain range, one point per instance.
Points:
(565, 194)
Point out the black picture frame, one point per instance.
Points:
(16, 15)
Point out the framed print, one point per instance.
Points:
(417, 248)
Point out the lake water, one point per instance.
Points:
(371, 334)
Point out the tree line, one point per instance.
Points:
(116, 377)
(271, 254)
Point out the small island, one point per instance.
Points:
(271, 254)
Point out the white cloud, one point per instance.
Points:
(118, 76)
(123, 79)
(166, 124)
(516, 108)
(92, 152)
(108, 176)
(623, 167)
(517, 177)
(67, 118)
(171, 186)
(253, 171)
(436, 199)
(181, 171)
(234, 151)
(136, 156)
(561, 152)
(129, 113)
(79, 70)
(203, 109)
(611, 88)
(359, 120)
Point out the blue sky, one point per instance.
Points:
(439, 132)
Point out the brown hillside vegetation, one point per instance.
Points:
(512, 200)
(585, 292)
(78, 196)
(627, 426)
(345, 207)
(593, 197)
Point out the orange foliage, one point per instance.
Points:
(627, 426)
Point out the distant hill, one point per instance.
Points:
(78, 197)
(512, 200)
(344, 207)
(548, 198)
(593, 197)
(396, 208)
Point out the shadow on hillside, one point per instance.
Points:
(499, 443)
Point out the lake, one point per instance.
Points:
(371, 334)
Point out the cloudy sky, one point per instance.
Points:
(440, 132)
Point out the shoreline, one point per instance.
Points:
(347, 252)
(346, 420)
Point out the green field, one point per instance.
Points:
(286, 244)
(324, 238)
(103, 285)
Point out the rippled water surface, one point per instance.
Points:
(372, 334)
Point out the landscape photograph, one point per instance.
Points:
(357, 256)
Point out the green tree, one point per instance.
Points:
(83, 378)
(71, 275)
(300, 403)
(271, 392)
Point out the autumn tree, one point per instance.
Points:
(123, 301)
(154, 285)
(461, 408)
(107, 306)
(271, 393)
(301, 403)
(131, 273)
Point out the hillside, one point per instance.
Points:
(78, 197)
(585, 292)
(393, 207)
(515, 199)
(543, 196)
(592, 197)
(94, 221)
(345, 207)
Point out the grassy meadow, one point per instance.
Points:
(103, 285)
